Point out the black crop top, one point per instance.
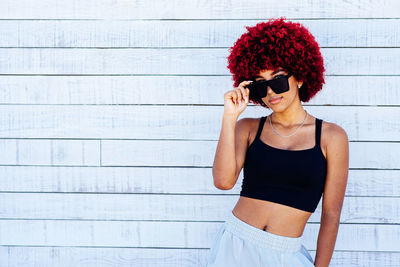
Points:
(294, 178)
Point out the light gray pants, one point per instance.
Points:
(240, 244)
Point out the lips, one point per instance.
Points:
(275, 100)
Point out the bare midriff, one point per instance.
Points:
(271, 217)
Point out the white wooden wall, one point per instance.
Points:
(110, 113)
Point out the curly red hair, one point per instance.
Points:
(277, 43)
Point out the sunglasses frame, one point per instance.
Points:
(263, 85)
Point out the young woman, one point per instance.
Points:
(289, 157)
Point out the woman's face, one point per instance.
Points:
(283, 100)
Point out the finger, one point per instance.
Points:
(239, 96)
(244, 94)
(234, 96)
(245, 82)
(239, 93)
(247, 90)
(244, 91)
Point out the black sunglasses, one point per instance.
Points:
(279, 85)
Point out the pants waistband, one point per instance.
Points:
(261, 237)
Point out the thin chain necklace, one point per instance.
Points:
(270, 122)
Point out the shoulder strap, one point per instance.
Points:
(318, 126)
(260, 126)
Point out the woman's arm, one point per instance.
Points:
(224, 167)
(335, 186)
(233, 139)
(231, 151)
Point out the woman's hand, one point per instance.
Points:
(235, 101)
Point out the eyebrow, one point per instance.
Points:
(259, 76)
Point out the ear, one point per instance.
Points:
(300, 84)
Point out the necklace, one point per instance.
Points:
(270, 122)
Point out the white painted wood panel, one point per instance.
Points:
(170, 207)
(178, 61)
(200, 154)
(148, 122)
(175, 9)
(182, 90)
(173, 234)
(152, 180)
(149, 257)
(181, 33)
(50, 152)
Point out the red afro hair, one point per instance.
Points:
(277, 43)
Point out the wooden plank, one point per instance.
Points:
(179, 61)
(235, 9)
(169, 207)
(361, 183)
(50, 152)
(130, 89)
(186, 33)
(185, 123)
(204, 90)
(201, 153)
(173, 234)
(149, 257)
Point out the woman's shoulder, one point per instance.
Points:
(249, 123)
(248, 126)
(333, 134)
(332, 129)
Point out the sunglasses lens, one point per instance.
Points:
(259, 88)
(279, 85)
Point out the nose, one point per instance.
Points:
(269, 90)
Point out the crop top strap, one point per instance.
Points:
(260, 126)
(318, 126)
